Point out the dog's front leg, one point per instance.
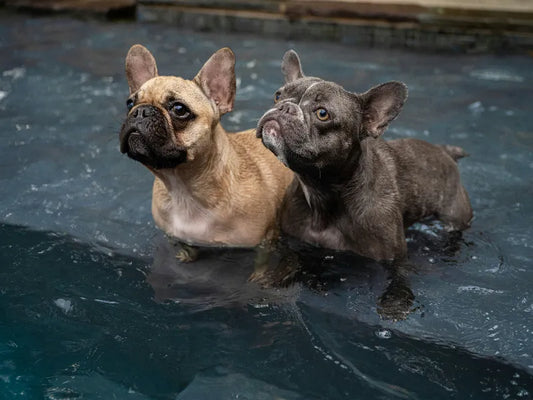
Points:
(275, 264)
(187, 253)
(396, 302)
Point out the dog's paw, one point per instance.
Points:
(261, 278)
(396, 303)
(187, 254)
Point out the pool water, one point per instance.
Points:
(94, 305)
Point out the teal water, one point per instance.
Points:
(94, 305)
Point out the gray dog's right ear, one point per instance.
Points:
(140, 67)
(291, 66)
(381, 105)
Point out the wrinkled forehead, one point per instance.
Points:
(165, 88)
(324, 92)
(294, 90)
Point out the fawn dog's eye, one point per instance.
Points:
(180, 110)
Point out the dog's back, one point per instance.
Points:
(429, 182)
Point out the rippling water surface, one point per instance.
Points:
(93, 303)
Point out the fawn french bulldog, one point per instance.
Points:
(353, 190)
(211, 187)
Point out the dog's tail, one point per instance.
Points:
(455, 152)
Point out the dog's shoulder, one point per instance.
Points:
(257, 158)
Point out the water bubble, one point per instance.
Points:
(478, 290)
(65, 305)
(15, 73)
(383, 333)
(476, 108)
(496, 75)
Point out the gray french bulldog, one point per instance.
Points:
(353, 190)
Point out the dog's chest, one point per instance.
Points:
(184, 218)
(329, 237)
(192, 226)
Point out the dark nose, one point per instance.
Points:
(143, 111)
(288, 108)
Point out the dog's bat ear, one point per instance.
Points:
(217, 79)
(140, 67)
(381, 105)
(291, 67)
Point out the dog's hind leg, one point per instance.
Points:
(457, 215)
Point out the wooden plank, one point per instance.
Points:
(92, 6)
(411, 9)
(488, 5)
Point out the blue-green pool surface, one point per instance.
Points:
(94, 305)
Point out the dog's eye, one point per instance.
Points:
(181, 110)
(322, 114)
(277, 96)
(129, 104)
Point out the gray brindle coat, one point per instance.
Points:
(353, 190)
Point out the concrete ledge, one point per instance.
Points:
(434, 25)
(405, 30)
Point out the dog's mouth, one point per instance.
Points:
(269, 131)
(133, 143)
(125, 144)
(269, 127)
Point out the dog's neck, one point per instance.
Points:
(209, 177)
(326, 191)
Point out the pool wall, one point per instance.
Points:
(429, 25)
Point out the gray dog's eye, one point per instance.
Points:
(277, 97)
(322, 114)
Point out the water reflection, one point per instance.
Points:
(274, 272)
(85, 320)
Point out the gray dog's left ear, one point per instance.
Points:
(217, 79)
(381, 105)
(291, 67)
(140, 67)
